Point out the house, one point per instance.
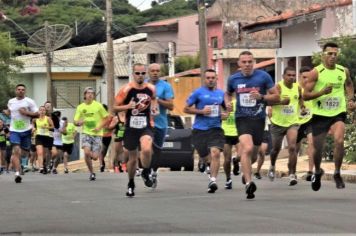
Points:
(302, 31)
(182, 31)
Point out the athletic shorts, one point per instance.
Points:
(68, 148)
(92, 142)
(203, 140)
(132, 137)
(106, 141)
(59, 147)
(278, 132)
(304, 130)
(45, 141)
(253, 127)
(231, 140)
(266, 137)
(159, 137)
(33, 148)
(322, 124)
(2, 146)
(23, 139)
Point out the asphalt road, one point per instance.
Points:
(71, 204)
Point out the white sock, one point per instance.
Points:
(212, 179)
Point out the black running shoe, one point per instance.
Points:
(309, 176)
(102, 167)
(250, 190)
(316, 180)
(236, 166)
(130, 190)
(92, 177)
(257, 175)
(339, 181)
(228, 184)
(18, 179)
(201, 166)
(146, 178)
(66, 171)
(212, 187)
(54, 171)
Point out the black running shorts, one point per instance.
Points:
(322, 124)
(203, 140)
(253, 127)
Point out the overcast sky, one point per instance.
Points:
(141, 4)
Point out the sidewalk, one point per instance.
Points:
(348, 171)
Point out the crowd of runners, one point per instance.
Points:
(252, 117)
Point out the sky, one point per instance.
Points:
(141, 4)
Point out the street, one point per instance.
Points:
(72, 204)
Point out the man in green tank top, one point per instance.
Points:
(285, 123)
(331, 89)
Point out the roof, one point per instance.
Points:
(192, 72)
(291, 15)
(163, 25)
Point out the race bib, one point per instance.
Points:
(19, 124)
(91, 124)
(331, 103)
(138, 122)
(41, 131)
(305, 114)
(214, 110)
(246, 100)
(287, 110)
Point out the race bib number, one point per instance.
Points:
(331, 103)
(41, 131)
(138, 122)
(91, 124)
(19, 124)
(214, 110)
(246, 100)
(287, 110)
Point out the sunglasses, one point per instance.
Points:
(140, 73)
(210, 77)
(331, 53)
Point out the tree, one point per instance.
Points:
(9, 66)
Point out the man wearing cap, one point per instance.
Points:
(91, 115)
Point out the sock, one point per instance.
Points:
(212, 179)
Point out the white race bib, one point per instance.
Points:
(287, 110)
(214, 110)
(246, 100)
(331, 103)
(138, 122)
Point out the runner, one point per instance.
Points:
(107, 136)
(285, 122)
(250, 87)
(121, 156)
(22, 109)
(57, 148)
(68, 136)
(207, 136)
(164, 95)
(3, 137)
(138, 99)
(331, 89)
(92, 116)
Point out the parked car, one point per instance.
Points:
(177, 149)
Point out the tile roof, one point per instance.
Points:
(166, 22)
(288, 14)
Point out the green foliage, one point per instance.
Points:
(8, 67)
(350, 139)
(184, 63)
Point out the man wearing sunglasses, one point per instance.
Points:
(331, 89)
(138, 99)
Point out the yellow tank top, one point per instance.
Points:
(287, 115)
(42, 127)
(334, 103)
(229, 125)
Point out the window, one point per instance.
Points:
(214, 42)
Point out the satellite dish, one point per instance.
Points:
(50, 38)
(46, 40)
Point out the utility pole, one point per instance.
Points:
(203, 42)
(171, 61)
(130, 62)
(110, 56)
(48, 64)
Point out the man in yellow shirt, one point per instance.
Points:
(91, 115)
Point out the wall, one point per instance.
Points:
(188, 36)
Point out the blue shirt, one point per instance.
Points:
(242, 86)
(202, 97)
(164, 91)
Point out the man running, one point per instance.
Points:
(164, 96)
(285, 122)
(22, 109)
(331, 89)
(138, 99)
(92, 116)
(207, 136)
(250, 87)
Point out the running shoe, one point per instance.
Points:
(236, 166)
(201, 166)
(257, 175)
(138, 172)
(309, 176)
(66, 171)
(154, 179)
(54, 171)
(250, 190)
(130, 190)
(92, 177)
(207, 170)
(271, 173)
(316, 180)
(292, 180)
(1, 170)
(124, 167)
(146, 178)
(102, 167)
(228, 183)
(339, 181)
(212, 187)
(18, 179)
